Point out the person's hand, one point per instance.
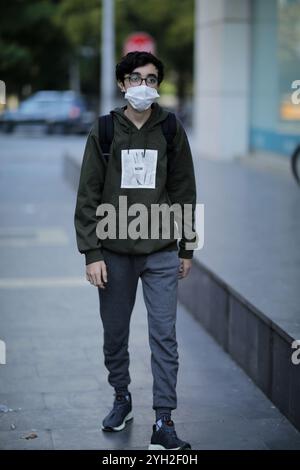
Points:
(185, 266)
(96, 274)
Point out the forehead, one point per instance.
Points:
(146, 69)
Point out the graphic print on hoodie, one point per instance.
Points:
(138, 167)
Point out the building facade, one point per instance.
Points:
(247, 77)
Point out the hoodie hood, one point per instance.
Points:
(157, 115)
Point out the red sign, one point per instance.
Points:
(139, 41)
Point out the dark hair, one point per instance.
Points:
(137, 59)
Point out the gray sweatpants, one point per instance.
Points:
(159, 275)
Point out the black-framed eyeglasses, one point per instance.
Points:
(136, 79)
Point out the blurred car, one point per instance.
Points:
(60, 111)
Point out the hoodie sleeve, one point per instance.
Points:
(181, 185)
(91, 182)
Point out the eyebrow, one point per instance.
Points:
(149, 75)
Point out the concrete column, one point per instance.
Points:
(107, 57)
(222, 78)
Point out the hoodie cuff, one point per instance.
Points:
(92, 256)
(185, 254)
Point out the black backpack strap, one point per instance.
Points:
(106, 133)
(169, 128)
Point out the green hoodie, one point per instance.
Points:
(103, 182)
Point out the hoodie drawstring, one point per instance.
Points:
(129, 140)
(145, 141)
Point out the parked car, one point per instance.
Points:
(60, 111)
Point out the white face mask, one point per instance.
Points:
(141, 97)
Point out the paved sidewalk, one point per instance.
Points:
(55, 375)
(252, 232)
(55, 381)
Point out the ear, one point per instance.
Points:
(121, 86)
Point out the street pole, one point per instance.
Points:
(107, 57)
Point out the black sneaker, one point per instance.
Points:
(166, 438)
(120, 413)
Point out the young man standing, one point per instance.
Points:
(141, 169)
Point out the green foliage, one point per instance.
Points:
(80, 20)
(33, 50)
(40, 38)
(170, 22)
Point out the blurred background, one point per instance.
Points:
(232, 76)
(243, 63)
(62, 45)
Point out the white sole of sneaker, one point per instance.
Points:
(122, 425)
(160, 447)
